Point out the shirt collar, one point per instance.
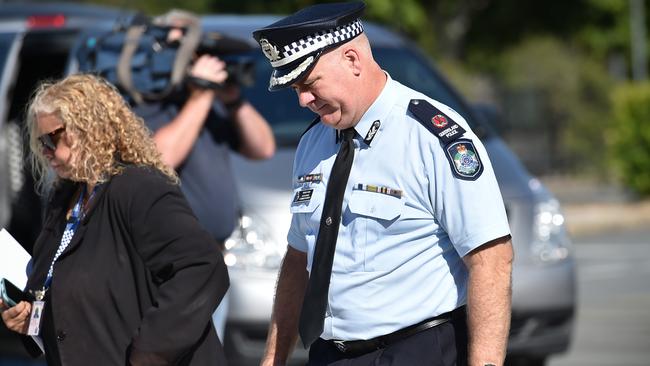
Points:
(368, 126)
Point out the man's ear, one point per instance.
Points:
(352, 58)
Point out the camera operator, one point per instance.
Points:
(177, 138)
(195, 133)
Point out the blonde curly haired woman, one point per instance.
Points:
(124, 271)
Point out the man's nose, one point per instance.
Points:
(304, 98)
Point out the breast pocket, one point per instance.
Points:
(307, 207)
(375, 215)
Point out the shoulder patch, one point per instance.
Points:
(464, 159)
(435, 121)
(312, 124)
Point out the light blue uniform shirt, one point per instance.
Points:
(399, 253)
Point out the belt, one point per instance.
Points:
(364, 346)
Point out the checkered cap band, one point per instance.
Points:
(314, 42)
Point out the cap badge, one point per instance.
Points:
(270, 51)
(439, 121)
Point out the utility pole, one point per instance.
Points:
(638, 40)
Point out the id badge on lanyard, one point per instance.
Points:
(38, 305)
(34, 327)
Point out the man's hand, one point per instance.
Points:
(16, 318)
(209, 68)
(213, 69)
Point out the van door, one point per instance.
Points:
(11, 37)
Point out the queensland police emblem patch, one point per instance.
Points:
(439, 121)
(464, 159)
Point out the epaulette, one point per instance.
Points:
(435, 121)
(312, 124)
(460, 152)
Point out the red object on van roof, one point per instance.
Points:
(46, 21)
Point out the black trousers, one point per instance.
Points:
(443, 345)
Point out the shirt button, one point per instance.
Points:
(328, 221)
(60, 336)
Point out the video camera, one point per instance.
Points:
(240, 67)
(140, 60)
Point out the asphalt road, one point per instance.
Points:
(613, 315)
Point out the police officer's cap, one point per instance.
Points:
(294, 44)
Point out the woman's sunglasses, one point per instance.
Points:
(50, 140)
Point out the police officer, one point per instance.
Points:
(399, 246)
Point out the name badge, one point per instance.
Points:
(310, 178)
(303, 196)
(34, 327)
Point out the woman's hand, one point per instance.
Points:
(16, 318)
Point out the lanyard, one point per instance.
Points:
(68, 233)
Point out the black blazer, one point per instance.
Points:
(139, 276)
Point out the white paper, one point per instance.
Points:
(39, 342)
(13, 260)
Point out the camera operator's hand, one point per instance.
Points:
(209, 68)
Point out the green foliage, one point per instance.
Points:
(629, 136)
(607, 28)
(555, 90)
(405, 15)
(499, 25)
(543, 63)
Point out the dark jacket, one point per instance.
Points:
(140, 275)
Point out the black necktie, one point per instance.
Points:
(315, 301)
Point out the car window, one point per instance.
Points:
(289, 120)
